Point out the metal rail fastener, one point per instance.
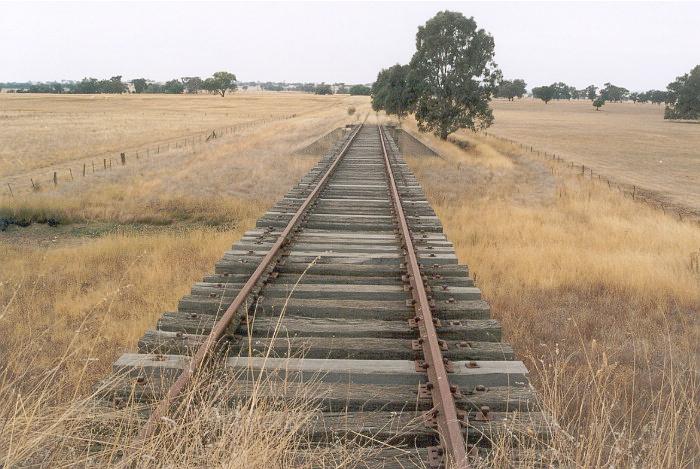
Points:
(444, 409)
(219, 329)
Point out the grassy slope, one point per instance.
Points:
(595, 291)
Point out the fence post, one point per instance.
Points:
(70, 171)
(123, 157)
(55, 178)
(104, 160)
(83, 169)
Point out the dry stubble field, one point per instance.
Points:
(628, 142)
(595, 291)
(132, 239)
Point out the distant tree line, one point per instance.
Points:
(682, 96)
(511, 89)
(215, 84)
(219, 83)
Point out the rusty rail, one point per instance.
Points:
(219, 329)
(444, 409)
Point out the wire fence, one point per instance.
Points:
(106, 162)
(649, 197)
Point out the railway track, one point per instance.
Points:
(349, 282)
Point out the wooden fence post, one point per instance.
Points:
(83, 169)
(104, 160)
(70, 171)
(55, 178)
(123, 157)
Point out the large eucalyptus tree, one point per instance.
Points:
(455, 74)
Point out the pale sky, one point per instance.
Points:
(636, 45)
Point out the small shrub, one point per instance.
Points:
(351, 110)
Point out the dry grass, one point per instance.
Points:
(631, 143)
(40, 131)
(206, 430)
(70, 304)
(595, 291)
(116, 285)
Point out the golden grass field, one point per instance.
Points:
(596, 291)
(629, 142)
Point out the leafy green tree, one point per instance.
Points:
(323, 89)
(511, 89)
(453, 75)
(220, 83)
(360, 90)
(545, 93)
(112, 86)
(380, 89)
(560, 90)
(87, 86)
(342, 89)
(614, 93)
(683, 97)
(598, 102)
(657, 96)
(192, 84)
(140, 85)
(591, 92)
(174, 87)
(395, 92)
(634, 97)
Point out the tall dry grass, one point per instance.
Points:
(130, 242)
(595, 291)
(206, 429)
(40, 131)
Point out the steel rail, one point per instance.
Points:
(444, 409)
(219, 329)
